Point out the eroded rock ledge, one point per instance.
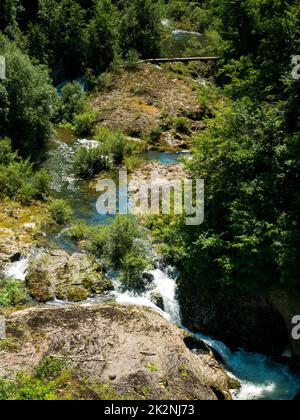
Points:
(54, 274)
(135, 351)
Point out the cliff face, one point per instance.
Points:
(251, 322)
(288, 304)
(133, 351)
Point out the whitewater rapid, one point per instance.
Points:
(260, 377)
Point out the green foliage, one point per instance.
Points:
(61, 212)
(132, 163)
(8, 17)
(55, 380)
(28, 99)
(114, 144)
(245, 243)
(132, 60)
(47, 383)
(151, 367)
(79, 231)
(72, 102)
(121, 245)
(182, 125)
(140, 27)
(89, 162)
(102, 36)
(85, 122)
(253, 30)
(17, 178)
(49, 368)
(12, 293)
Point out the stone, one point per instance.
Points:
(157, 299)
(98, 341)
(58, 275)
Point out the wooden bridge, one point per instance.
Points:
(176, 60)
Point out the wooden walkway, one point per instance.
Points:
(175, 60)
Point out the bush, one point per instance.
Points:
(61, 213)
(121, 245)
(154, 135)
(89, 162)
(27, 100)
(18, 181)
(12, 293)
(114, 143)
(133, 162)
(85, 122)
(71, 102)
(79, 231)
(132, 60)
(182, 125)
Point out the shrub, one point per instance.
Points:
(17, 178)
(182, 125)
(88, 162)
(132, 60)
(61, 212)
(155, 134)
(85, 122)
(79, 231)
(121, 245)
(71, 102)
(132, 163)
(133, 265)
(114, 143)
(49, 368)
(12, 293)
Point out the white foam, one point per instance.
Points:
(17, 270)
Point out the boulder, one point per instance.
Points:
(58, 275)
(250, 322)
(135, 352)
(288, 304)
(157, 299)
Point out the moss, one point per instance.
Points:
(74, 293)
(10, 344)
(183, 372)
(151, 367)
(39, 285)
(143, 391)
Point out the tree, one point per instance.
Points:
(140, 28)
(64, 24)
(102, 36)
(27, 100)
(8, 13)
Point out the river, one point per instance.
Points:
(260, 376)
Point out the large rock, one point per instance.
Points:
(134, 351)
(10, 245)
(56, 274)
(249, 322)
(288, 304)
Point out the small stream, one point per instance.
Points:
(261, 378)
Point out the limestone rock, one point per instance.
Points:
(56, 274)
(134, 351)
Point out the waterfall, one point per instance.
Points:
(17, 270)
(260, 377)
(163, 285)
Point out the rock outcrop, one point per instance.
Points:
(57, 275)
(288, 304)
(134, 351)
(249, 322)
